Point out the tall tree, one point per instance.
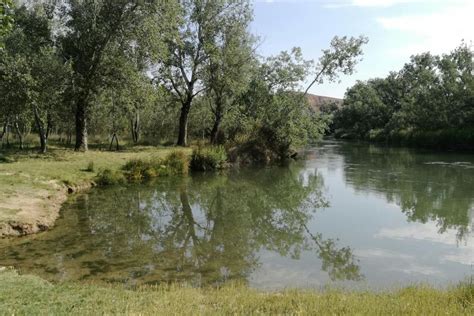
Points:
(229, 65)
(183, 70)
(273, 114)
(94, 29)
(33, 76)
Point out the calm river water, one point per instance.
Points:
(350, 215)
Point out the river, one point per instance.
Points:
(349, 215)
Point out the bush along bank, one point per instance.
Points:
(443, 139)
(176, 163)
(209, 158)
(137, 170)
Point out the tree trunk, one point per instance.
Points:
(41, 131)
(43, 143)
(114, 136)
(81, 127)
(183, 124)
(135, 124)
(49, 126)
(69, 137)
(8, 135)
(217, 124)
(5, 127)
(19, 134)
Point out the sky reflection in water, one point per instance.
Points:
(350, 215)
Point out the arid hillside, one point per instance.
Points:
(316, 101)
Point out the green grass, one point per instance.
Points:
(30, 181)
(71, 167)
(30, 295)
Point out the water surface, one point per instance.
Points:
(350, 215)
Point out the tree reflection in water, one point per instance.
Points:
(205, 229)
(427, 186)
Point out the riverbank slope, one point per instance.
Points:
(33, 186)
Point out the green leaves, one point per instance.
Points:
(6, 19)
(429, 94)
(341, 57)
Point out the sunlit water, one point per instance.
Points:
(350, 215)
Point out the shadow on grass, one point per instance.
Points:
(56, 150)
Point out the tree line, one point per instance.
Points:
(430, 101)
(159, 70)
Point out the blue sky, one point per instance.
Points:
(396, 30)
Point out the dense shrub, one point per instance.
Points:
(5, 159)
(462, 138)
(208, 158)
(261, 146)
(110, 177)
(252, 151)
(279, 123)
(176, 163)
(138, 169)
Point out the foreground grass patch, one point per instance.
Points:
(29, 295)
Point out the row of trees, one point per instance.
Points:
(162, 69)
(430, 94)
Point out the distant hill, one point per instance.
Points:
(316, 101)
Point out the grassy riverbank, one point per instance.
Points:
(33, 186)
(30, 295)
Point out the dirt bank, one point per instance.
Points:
(33, 187)
(24, 213)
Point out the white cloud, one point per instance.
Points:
(334, 4)
(382, 254)
(380, 3)
(416, 231)
(437, 32)
(459, 252)
(418, 269)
